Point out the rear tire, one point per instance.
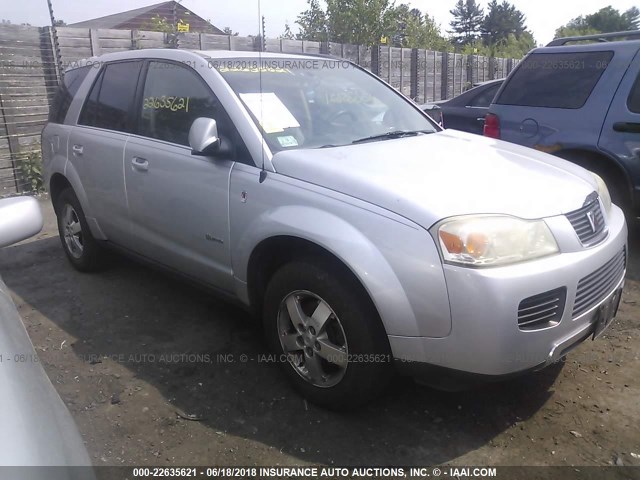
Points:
(328, 337)
(82, 250)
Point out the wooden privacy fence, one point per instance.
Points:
(33, 59)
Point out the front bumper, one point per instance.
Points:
(485, 339)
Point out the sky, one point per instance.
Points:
(542, 16)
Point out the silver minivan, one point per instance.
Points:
(368, 239)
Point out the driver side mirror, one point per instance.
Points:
(20, 218)
(203, 136)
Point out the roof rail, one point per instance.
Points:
(599, 37)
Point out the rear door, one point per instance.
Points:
(179, 202)
(621, 130)
(56, 133)
(468, 115)
(557, 97)
(96, 146)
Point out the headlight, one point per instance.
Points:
(603, 192)
(489, 241)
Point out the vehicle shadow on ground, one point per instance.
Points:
(130, 310)
(134, 313)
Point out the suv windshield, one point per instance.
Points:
(313, 103)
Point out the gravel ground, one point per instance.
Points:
(143, 362)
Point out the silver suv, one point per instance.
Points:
(368, 239)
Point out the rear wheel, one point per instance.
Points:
(329, 338)
(81, 248)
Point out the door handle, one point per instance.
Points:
(629, 127)
(480, 119)
(77, 150)
(140, 164)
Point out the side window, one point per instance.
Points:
(555, 80)
(633, 102)
(68, 89)
(484, 98)
(174, 96)
(111, 98)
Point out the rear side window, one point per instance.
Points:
(111, 98)
(633, 102)
(67, 90)
(484, 99)
(555, 80)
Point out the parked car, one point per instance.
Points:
(37, 428)
(365, 241)
(580, 102)
(466, 111)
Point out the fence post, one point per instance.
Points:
(492, 68)
(14, 145)
(471, 76)
(414, 74)
(95, 42)
(375, 60)
(509, 66)
(444, 83)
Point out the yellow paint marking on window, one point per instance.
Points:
(166, 102)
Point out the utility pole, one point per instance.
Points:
(54, 41)
(174, 24)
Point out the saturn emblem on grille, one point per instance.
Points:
(592, 220)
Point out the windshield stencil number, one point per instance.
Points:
(164, 102)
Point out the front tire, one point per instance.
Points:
(329, 338)
(82, 250)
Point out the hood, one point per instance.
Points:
(37, 428)
(430, 177)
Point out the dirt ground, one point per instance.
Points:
(144, 363)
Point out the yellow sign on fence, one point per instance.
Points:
(183, 27)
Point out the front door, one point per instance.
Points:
(178, 202)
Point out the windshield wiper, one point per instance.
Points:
(390, 135)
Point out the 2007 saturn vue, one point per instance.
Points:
(367, 238)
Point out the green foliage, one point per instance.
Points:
(158, 24)
(31, 169)
(228, 31)
(313, 23)
(605, 20)
(360, 22)
(416, 30)
(501, 21)
(467, 21)
(502, 32)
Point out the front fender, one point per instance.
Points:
(396, 262)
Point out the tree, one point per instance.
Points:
(466, 23)
(605, 20)
(60, 23)
(361, 22)
(288, 34)
(502, 19)
(416, 30)
(229, 31)
(313, 23)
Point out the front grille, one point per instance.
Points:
(543, 310)
(588, 221)
(594, 288)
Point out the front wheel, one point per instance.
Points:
(329, 338)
